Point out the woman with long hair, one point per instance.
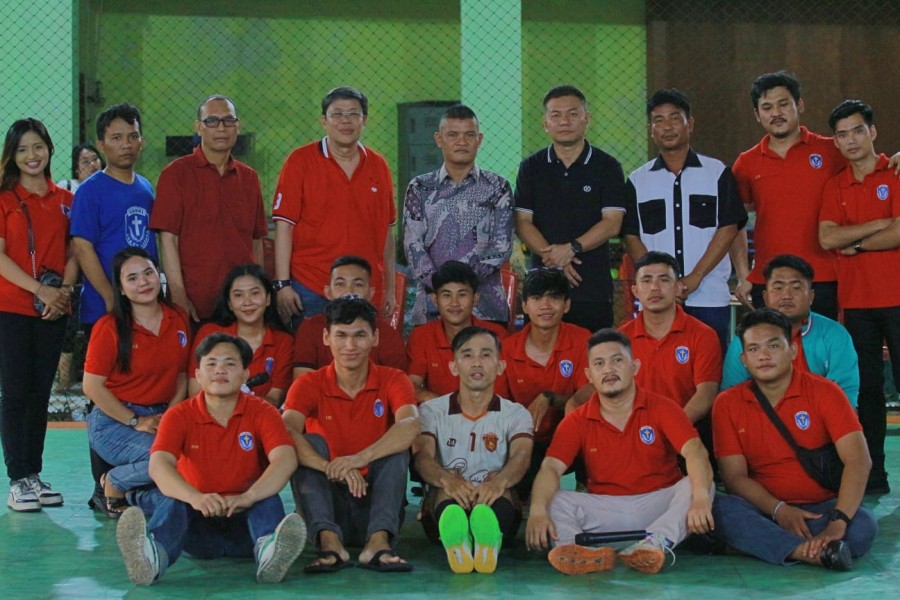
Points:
(247, 309)
(134, 371)
(37, 273)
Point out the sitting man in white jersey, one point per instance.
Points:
(474, 447)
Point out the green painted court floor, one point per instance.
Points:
(70, 552)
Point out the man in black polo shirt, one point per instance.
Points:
(687, 205)
(570, 200)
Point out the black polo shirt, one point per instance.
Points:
(565, 203)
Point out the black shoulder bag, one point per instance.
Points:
(47, 277)
(822, 464)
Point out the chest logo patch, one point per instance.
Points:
(245, 439)
(66, 211)
(815, 161)
(137, 233)
(490, 441)
(182, 338)
(648, 436)
(378, 408)
(270, 365)
(802, 420)
(566, 367)
(883, 191)
(682, 354)
(586, 189)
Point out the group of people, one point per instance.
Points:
(189, 375)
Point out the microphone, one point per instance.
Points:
(600, 538)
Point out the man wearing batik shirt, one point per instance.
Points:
(459, 212)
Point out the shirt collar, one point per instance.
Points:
(443, 174)
(333, 390)
(848, 179)
(595, 414)
(691, 160)
(201, 161)
(583, 158)
(454, 408)
(677, 325)
(805, 139)
(323, 148)
(205, 417)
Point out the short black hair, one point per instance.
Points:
(563, 91)
(669, 96)
(655, 257)
(215, 97)
(349, 259)
(789, 261)
(768, 81)
(125, 111)
(848, 108)
(345, 93)
(609, 335)
(460, 112)
(546, 281)
(214, 339)
(454, 271)
(763, 316)
(346, 309)
(76, 157)
(468, 333)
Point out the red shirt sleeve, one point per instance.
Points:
(745, 190)
(306, 344)
(261, 229)
(415, 352)
(102, 348)
(284, 361)
(271, 428)
(289, 190)
(725, 438)
(831, 202)
(569, 437)
(837, 413)
(676, 426)
(400, 391)
(303, 395)
(172, 430)
(391, 349)
(708, 365)
(168, 207)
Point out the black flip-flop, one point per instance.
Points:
(338, 564)
(375, 563)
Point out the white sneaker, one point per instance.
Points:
(648, 555)
(138, 549)
(21, 497)
(45, 494)
(276, 552)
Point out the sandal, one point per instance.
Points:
(115, 504)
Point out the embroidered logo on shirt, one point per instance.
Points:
(815, 161)
(270, 365)
(66, 211)
(182, 338)
(277, 201)
(682, 354)
(882, 191)
(451, 442)
(136, 231)
(374, 190)
(586, 188)
(378, 409)
(802, 420)
(566, 368)
(245, 439)
(490, 441)
(648, 436)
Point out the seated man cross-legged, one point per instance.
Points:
(474, 447)
(220, 459)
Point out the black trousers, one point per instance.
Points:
(29, 354)
(590, 315)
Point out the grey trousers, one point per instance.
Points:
(327, 505)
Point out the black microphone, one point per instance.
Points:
(600, 538)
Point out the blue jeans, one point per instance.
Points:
(743, 527)
(313, 302)
(126, 449)
(717, 317)
(177, 527)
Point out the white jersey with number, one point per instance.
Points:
(474, 446)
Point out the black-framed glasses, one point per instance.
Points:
(213, 122)
(337, 117)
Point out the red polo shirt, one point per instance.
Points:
(223, 460)
(274, 356)
(350, 424)
(642, 458)
(685, 357)
(334, 215)
(524, 378)
(787, 194)
(430, 354)
(815, 411)
(156, 360)
(310, 351)
(49, 222)
(864, 280)
(216, 218)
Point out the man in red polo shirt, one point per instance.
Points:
(860, 221)
(207, 510)
(545, 361)
(353, 423)
(208, 211)
(334, 197)
(350, 276)
(629, 439)
(429, 347)
(774, 510)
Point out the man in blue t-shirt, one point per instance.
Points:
(111, 210)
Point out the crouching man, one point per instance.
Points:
(219, 459)
(629, 439)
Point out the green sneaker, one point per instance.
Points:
(454, 529)
(488, 538)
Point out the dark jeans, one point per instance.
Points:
(29, 355)
(825, 303)
(313, 303)
(590, 315)
(717, 317)
(326, 505)
(870, 328)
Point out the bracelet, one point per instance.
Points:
(777, 508)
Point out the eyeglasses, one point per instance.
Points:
(86, 162)
(213, 122)
(337, 117)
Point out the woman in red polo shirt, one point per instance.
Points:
(247, 308)
(34, 241)
(134, 371)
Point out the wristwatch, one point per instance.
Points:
(133, 421)
(577, 248)
(838, 515)
(279, 284)
(858, 246)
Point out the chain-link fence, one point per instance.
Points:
(276, 59)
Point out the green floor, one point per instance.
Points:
(70, 552)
